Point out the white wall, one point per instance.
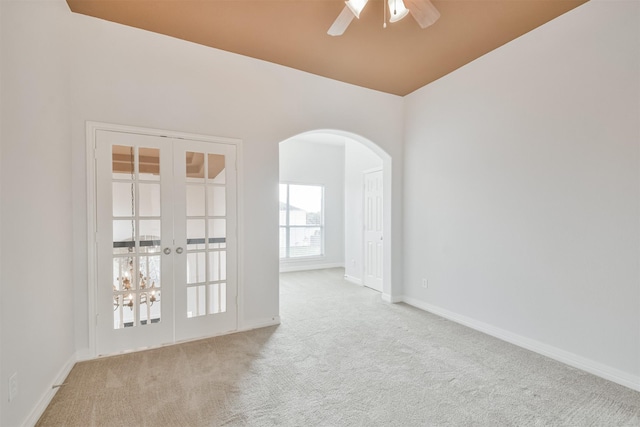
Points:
(36, 276)
(358, 159)
(128, 76)
(317, 163)
(2, 398)
(522, 191)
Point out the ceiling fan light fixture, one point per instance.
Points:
(397, 10)
(356, 6)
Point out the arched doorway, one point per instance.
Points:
(337, 164)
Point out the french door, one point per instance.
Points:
(165, 240)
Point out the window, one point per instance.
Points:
(301, 221)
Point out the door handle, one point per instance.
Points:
(179, 250)
(167, 251)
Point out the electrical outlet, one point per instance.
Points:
(13, 386)
(425, 283)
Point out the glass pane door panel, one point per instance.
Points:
(216, 168)
(122, 162)
(196, 301)
(217, 229)
(195, 234)
(195, 167)
(149, 199)
(214, 301)
(150, 229)
(196, 267)
(218, 299)
(216, 201)
(123, 280)
(149, 272)
(223, 265)
(149, 164)
(123, 195)
(214, 266)
(124, 315)
(217, 265)
(124, 232)
(150, 307)
(195, 200)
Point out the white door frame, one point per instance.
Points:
(92, 275)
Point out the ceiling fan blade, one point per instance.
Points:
(423, 11)
(341, 23)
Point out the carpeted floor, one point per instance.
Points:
(341, 357)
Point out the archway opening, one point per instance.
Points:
(335, 207)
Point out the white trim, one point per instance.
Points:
(83, 354)
(239, 233)
(391, 298)
(161, 132)
(352, 279)
(261, 323)
(303, 266)
(372, 170)
(596, 368)
(92, 276)
(46, 398)
(92, 273)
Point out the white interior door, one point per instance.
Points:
(373, 230)
(165, 240)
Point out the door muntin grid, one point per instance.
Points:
(136, 230)
(206, 223)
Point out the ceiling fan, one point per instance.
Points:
(423, 11)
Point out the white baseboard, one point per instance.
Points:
(354, 280)
(604, 371)
(392, 298)
(84, 354)
(303, 266)
(257, 324)
(47, 396)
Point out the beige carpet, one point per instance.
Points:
(341, 357)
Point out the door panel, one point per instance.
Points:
(134, 219)
(373, 230)
(205, 209)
